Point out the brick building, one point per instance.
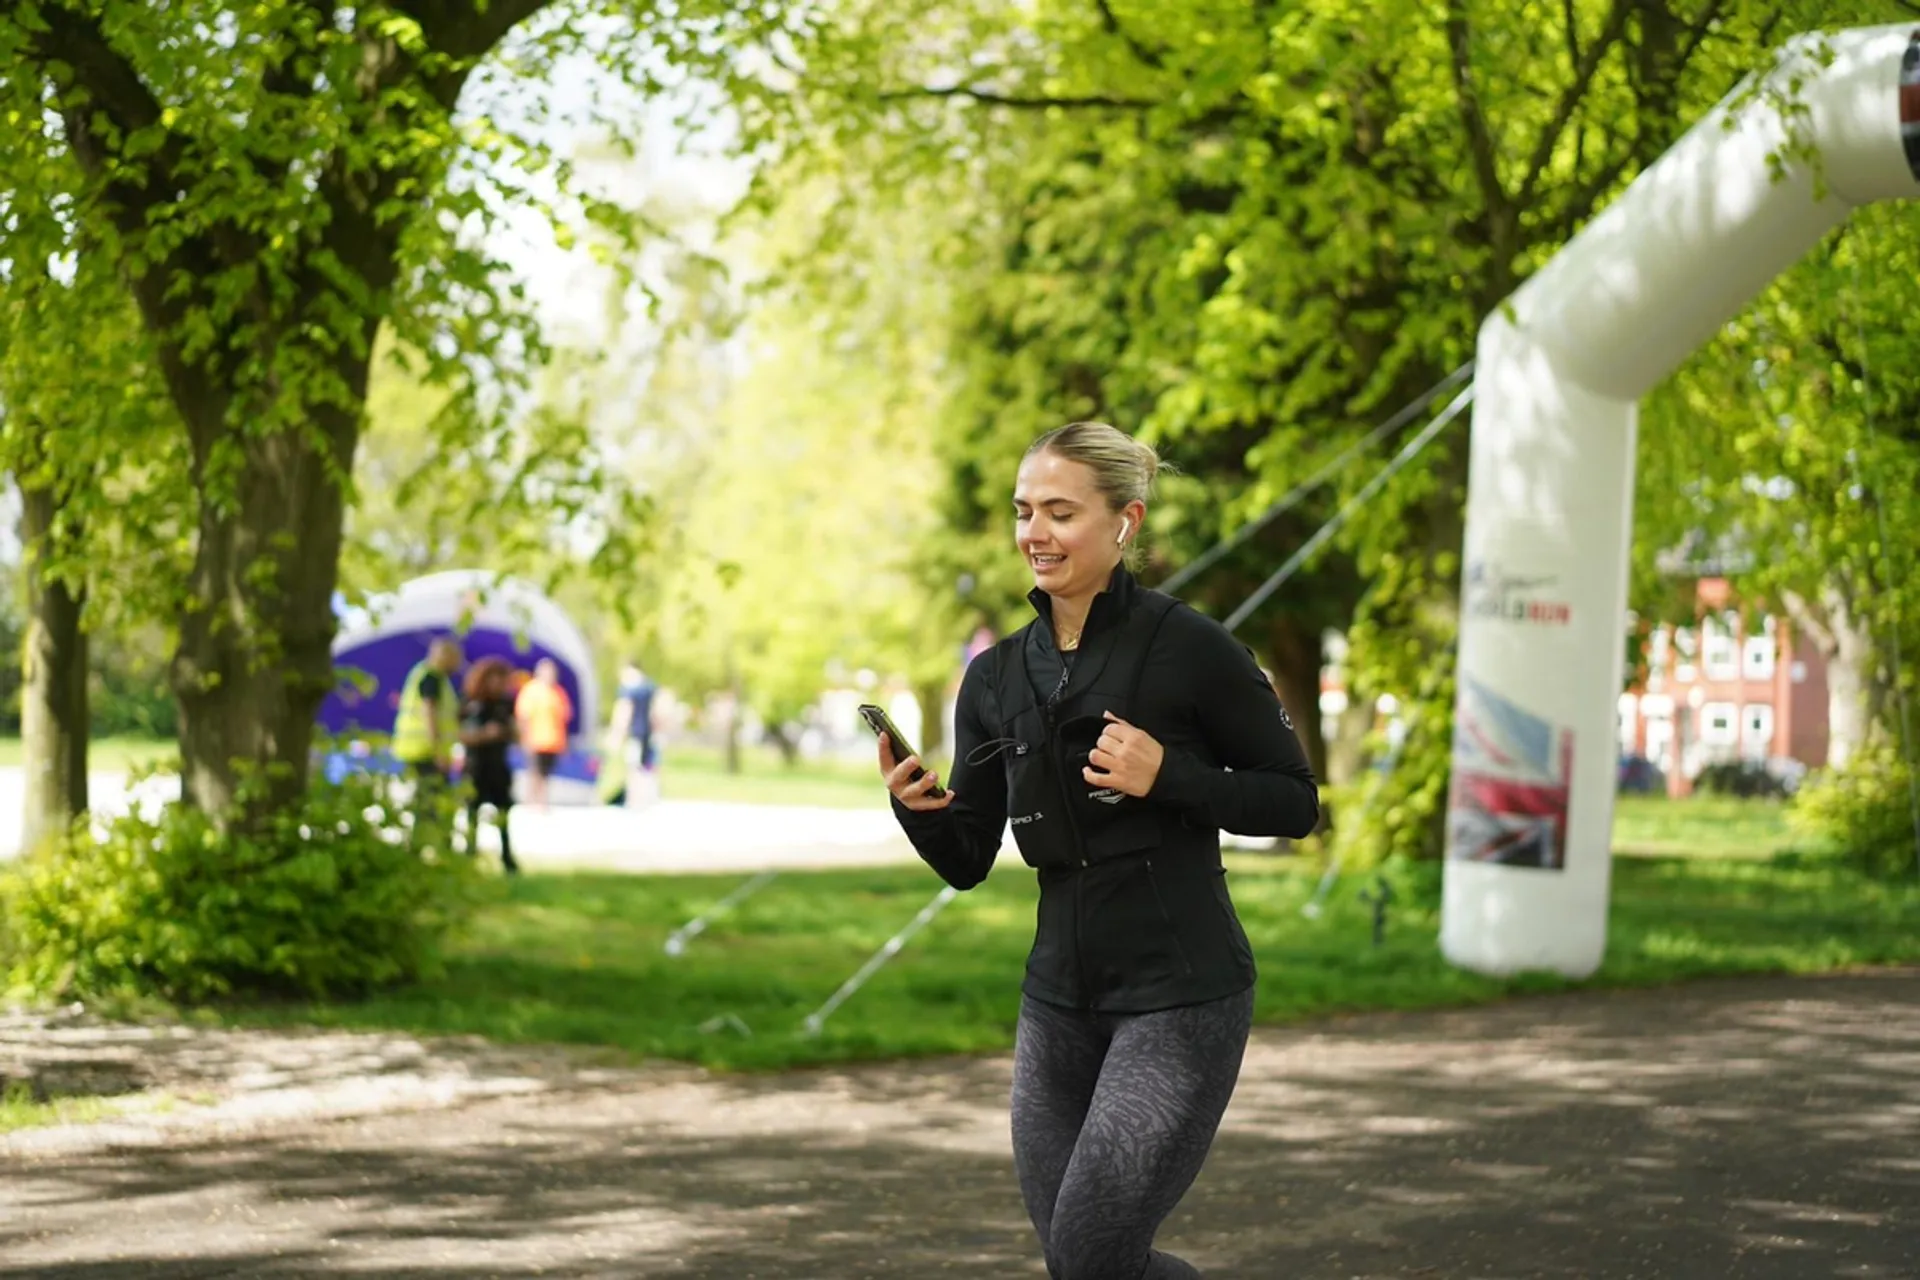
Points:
(1725, 689)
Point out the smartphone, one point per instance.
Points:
(880, 722)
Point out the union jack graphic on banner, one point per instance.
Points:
(1509, 794)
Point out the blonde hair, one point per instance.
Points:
(1123, 468)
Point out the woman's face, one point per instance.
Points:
(1062, 525)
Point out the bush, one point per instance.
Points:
(1748, 779)
(123, 703)
(12, 637)
(326, 899)
(1862, 812)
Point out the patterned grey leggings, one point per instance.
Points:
(1112, 1118)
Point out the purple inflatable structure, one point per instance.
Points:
(491, 616)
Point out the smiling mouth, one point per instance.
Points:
(1047, 562)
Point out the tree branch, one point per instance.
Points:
(99, 82)
(1480, 141)
(468, 30)
(988, 97)
(456, 34)
(96, 84)
(75, 41)
(1579, 204)
(1700, 30)
(303, 26)
(1611, 32)
(1112, 23)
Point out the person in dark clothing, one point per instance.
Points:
(632, 734)
(1119, 732)
(488, 729)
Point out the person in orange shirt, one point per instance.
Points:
(545, 712)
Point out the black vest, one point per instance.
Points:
(1059, 819)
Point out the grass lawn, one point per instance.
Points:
(689, 772)
(20, 1110)
(578, 958)
(108, 755)
(1700, 826)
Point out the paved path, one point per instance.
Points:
(670, 836)
(674, 835)
(1765, 1129)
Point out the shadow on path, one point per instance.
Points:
(1759, 1129)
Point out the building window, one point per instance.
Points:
(1756, 731)
(1718, 721)
(1683, 646)
(1659, 737)
(1757, 659)
(1721, 652)
(1628, 733)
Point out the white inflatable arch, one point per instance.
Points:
(1559, 371)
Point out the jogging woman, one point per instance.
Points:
(1120, 732)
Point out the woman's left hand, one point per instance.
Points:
(1126, 758)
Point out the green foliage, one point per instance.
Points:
(322, 898)
(1248, 232)
(1863, 813)
(1400, 806)
(1745, 778)
(259, 189)
(131, 695)
(131, 703)
(1791, 439)
(787, 465)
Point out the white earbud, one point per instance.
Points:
(1126, 527)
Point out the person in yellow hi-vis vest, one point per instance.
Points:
(426, 725)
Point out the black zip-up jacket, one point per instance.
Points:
(1134, 913)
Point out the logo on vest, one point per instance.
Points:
(1495, 594)
(1022, 819)
(1108, 795)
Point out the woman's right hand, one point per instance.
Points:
(908, 790)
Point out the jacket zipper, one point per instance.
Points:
(1050, 715)
(1166, 915)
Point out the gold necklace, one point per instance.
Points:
(1069, 641)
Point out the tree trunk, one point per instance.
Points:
(736, 705)
(931, 695)
(1846, 646)
(53, 721)
(1297, 656)
(1854, 692)
(1347, 754)
(785, 742)
(254, 659)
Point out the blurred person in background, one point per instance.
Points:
(545, 715)
(426, 724)
(632, 735)
(487, 730)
